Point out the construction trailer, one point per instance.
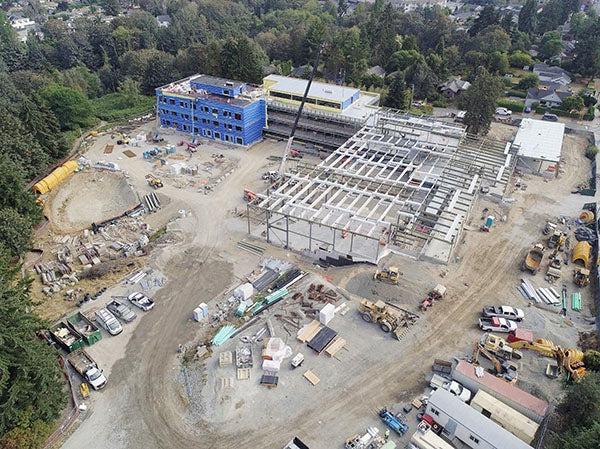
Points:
(213, 108)
(405, 184)
(521, 401)
(516, 423)
(466, 425)
(425, 438)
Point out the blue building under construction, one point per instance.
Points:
(213, 108)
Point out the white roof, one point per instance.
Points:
(323, 91)
(539, 139)
(480, 426)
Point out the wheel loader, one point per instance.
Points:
(389, 318)
(153, 181)
(390, 275)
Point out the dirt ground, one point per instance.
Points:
(90, 196)
(152, 402)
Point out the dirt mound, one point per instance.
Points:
(88, 197)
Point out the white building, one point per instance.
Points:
(468, 426)
(539, 145)
(22, 26)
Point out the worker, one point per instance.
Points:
(387, 434)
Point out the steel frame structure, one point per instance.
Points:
(398, 185)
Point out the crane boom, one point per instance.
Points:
(288, 146)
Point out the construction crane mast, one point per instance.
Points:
(290, 141)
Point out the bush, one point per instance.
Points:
(594, 356)
(511, 105)
(528, 81)
(516, 93)
(590, 114)
(440, 103)
(119, 106)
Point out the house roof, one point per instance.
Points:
(478, 425)
(376, 70)
(455, 85)
(499, 386)
(550, 94)
(324, 91)
(164, 18)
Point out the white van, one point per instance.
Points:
(108, 321)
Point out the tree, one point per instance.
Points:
(528, 17)
(528, 81)
(30, 383)
(242, 59)
(403, 59)
(587, 50)
(397, 94)
(551, 45)
(580, 406)
(479, 101)
(592, 360)
(520, 59)
(488, 16)
(111, 7)
(422, 80)
(71, 107)
(498, 63)
(572, 103)
(15, 231)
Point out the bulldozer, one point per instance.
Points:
(581, 277)
(153, 181)
(390, 275)
(389, 318)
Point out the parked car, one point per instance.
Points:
(437, 381)
(496, 324)
(503, 111)
(121, 311)
(512, 313)
(550, 117)
(141, 301)
(108, 321)
(527, 109)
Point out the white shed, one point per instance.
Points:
(539, 145)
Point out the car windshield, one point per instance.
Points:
(95, 375)
(114, 326)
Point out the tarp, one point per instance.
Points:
(57, 176)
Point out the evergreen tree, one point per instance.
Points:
(480, 101)
(528, 17)
(397, 97)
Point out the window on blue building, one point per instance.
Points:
(238, 116)
(171, 101)
(174, 113)
(215, 123)
(227, 138)
(238, 128)
(215, 111)
(227, 92)
(217, 135)
(239, 140)
(205, 108)
(204, 121)
(196, 130)
(208, 132)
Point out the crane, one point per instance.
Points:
(290, 141)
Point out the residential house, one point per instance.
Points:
(546, 96)
(376, 70)
(454, 87)
(22, 26)
(552, 75)
(163, 21)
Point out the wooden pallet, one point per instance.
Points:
(307, 333)
(311, 377)
(333, 347)
(243, 373)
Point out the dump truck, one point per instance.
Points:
(390, 275)
(66, 337)
(87, 368)
(533, 259)
(85, 327)
(389, 318)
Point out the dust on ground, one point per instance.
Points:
(87, 197)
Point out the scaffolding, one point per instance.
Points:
(404, 184)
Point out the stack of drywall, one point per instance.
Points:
(528, 290)
(243, 292)
(549, 296)
(200, 312)
(326, 314)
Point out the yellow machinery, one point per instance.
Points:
(541, 345)
(581, 277)
(389, 318)
(153, 181)
(499, 347)
(533, 259)
(57, 176)
(391, 275)
(581, 254)
(557, 240)
(84, 389)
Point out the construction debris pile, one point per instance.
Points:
(76, 255)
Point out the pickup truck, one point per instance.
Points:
(452, 386)
(512, 313)
(121, 311)
(496, 324)
(87, 368)
(141, 301)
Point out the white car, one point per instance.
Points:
(503, 111)
(495, 324)
(140, 300)
(437, 381)
(512, 313)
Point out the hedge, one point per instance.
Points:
(511, 105)
(516, 93)
(589, 115)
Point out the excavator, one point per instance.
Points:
(569, 359)
(503, 369)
